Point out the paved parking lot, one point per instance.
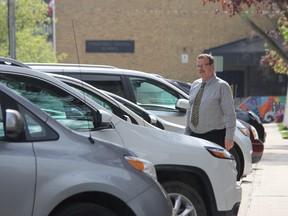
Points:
(265, 191)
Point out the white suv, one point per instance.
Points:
(199, 176)
(154, 94)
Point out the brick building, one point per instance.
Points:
(162, 37)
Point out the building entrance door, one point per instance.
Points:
(235, 80)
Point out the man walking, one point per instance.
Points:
(210, 113)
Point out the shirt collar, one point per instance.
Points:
(210, 80)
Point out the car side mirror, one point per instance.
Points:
(127, 118)
(103, 119)
(14, 124)
(153, 120)
(182, 104)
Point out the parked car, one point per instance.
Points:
(182, 163)
(47, 169)
(241, 136)
(252, 119)
(241, 133)
(257, 144)
(152, 93)
(184, 86)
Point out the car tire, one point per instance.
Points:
(239, 167)
(80, 209)
(185, 199)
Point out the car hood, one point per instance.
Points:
(159, 145)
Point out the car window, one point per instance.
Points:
(60, 105)
(103, 102)
(181, 85)
(36, 130)
(152, 95)
(109, 83)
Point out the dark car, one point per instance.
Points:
(252, 119)
(257, 144)
(184, 86)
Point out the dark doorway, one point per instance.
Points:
(235, 80)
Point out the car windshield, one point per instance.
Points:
(60, 105)
(153, 96)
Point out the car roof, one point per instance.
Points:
(68, 65)
(76, 68)
(12, 62)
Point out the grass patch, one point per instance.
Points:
(284, 134)
(283, 130)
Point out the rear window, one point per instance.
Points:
(111, 86)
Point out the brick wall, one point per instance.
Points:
(163, 30)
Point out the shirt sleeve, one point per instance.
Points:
(227, 105)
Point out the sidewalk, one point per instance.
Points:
(265, 191)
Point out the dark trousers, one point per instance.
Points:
(216, 136)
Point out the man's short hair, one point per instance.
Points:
(208, 56)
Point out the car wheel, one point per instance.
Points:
(80, 209)
(239, 167)
(185, 199)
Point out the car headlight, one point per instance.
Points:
(242, 128)
(219, 152)
(142, 165)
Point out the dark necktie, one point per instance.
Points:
(196, 105)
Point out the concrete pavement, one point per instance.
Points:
(265, 191)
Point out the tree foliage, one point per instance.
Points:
(236, 6)
(273, 58)
(276, 56)
(31, 41)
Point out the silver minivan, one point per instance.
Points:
(47, 169)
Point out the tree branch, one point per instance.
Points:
(263, 34)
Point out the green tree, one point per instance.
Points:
(276, 61)
(31, 41)
(276, 57)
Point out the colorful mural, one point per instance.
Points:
(269, 108)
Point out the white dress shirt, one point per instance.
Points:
(216, 110)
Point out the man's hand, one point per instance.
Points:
(229, 144)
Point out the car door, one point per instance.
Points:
(17, 167)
